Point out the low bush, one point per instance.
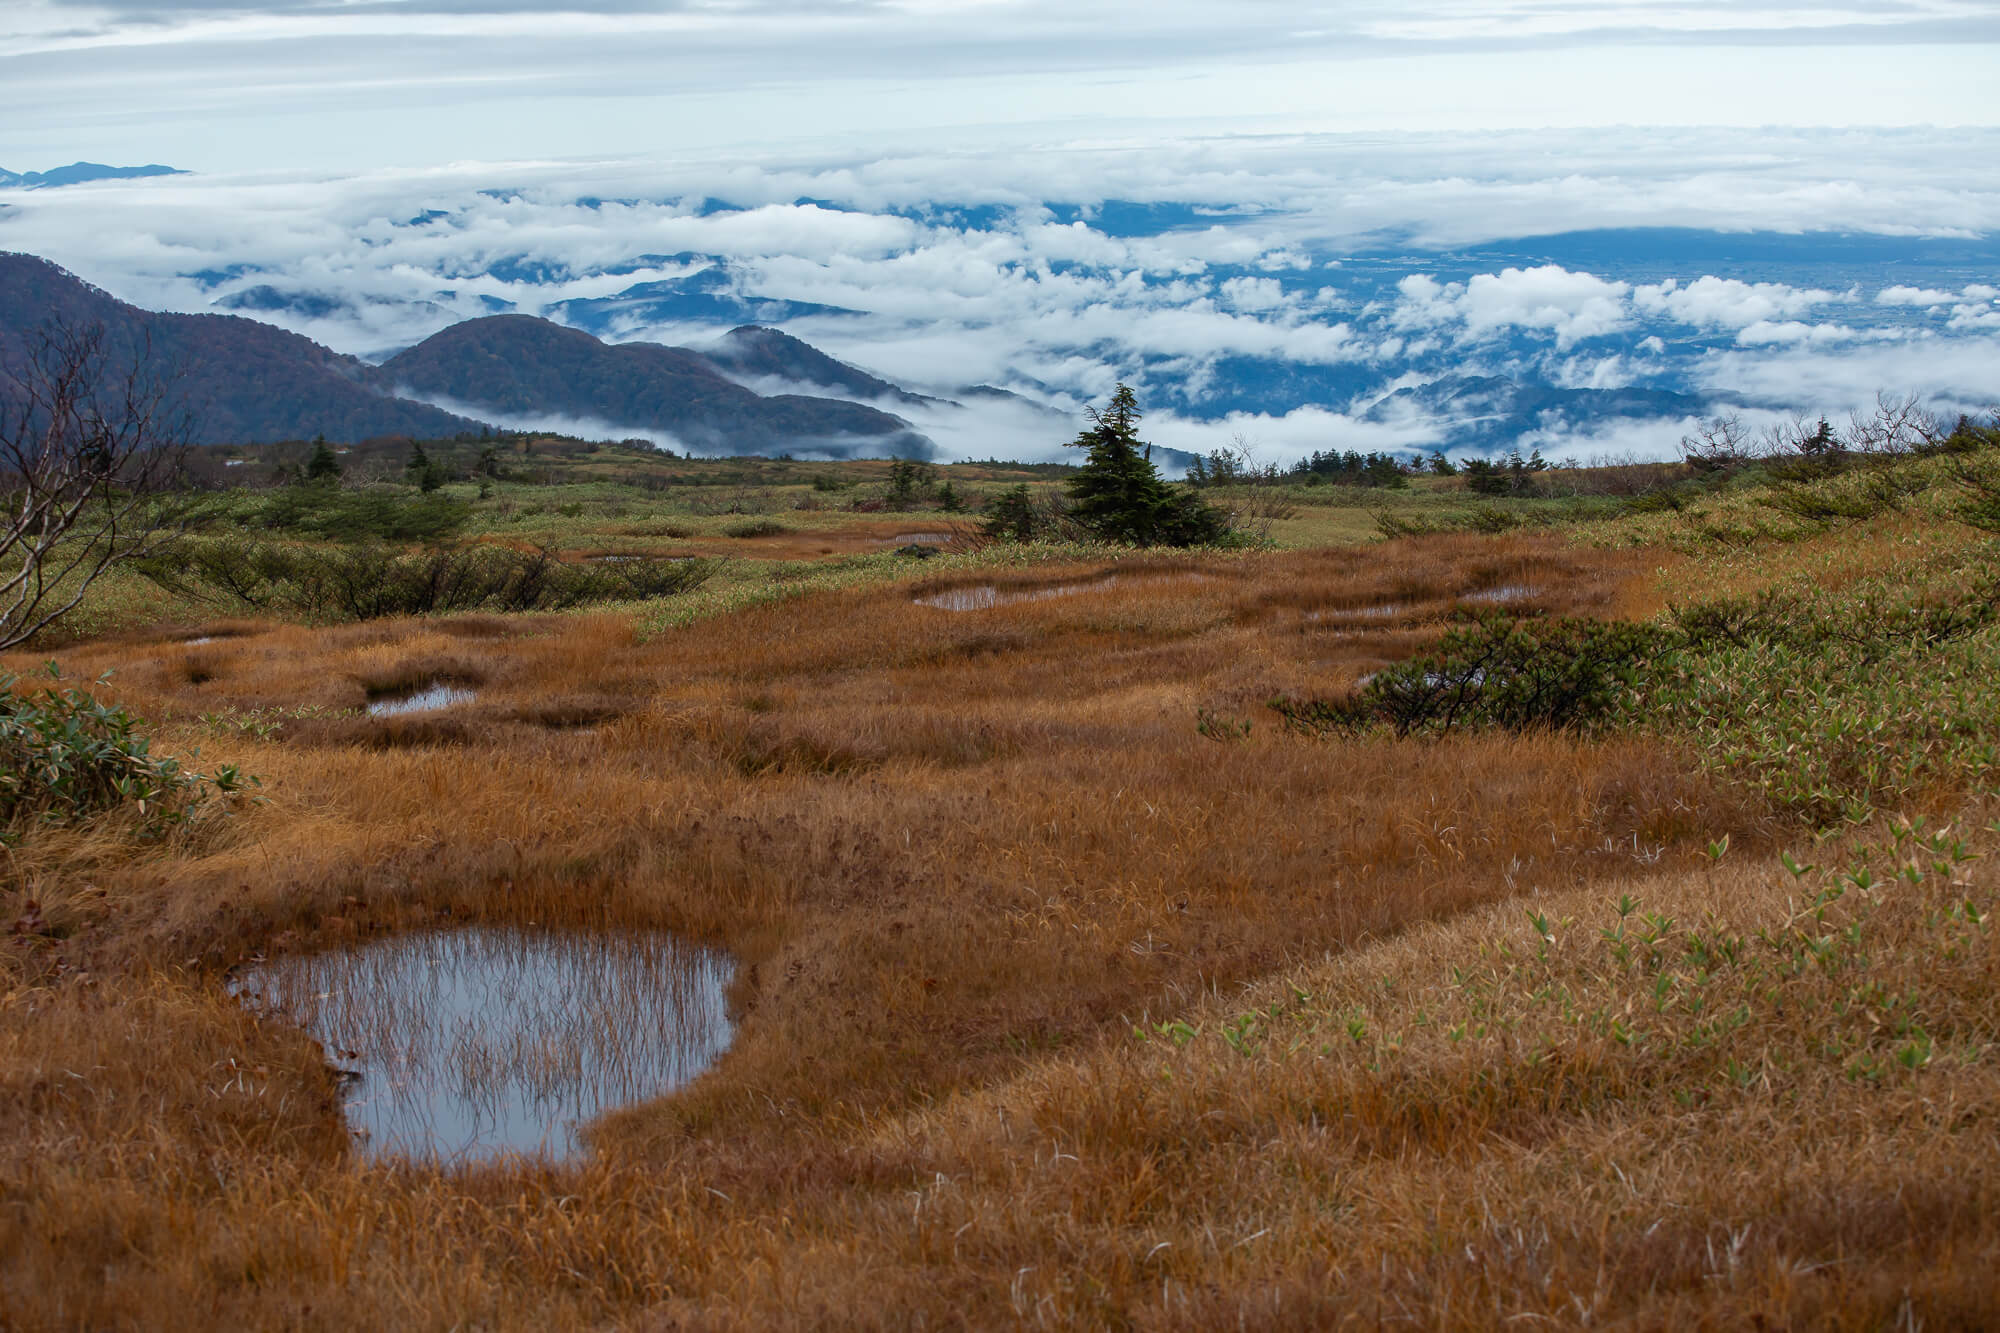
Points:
(65, 756)
(1830, 703)
(369, 582)
(1834, 703)
(1494, 671)
(328, 513)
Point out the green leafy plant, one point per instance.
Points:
(1495, 671)
(369, 582)
(65, 756)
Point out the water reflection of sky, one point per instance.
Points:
(424, 700)
(475, 1043)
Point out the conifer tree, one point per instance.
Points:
(323, 465)
(1118, 494)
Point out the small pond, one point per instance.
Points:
(1506, 592)
(982, 596)
(481, 1042)
(1380, 611)
(426, 700)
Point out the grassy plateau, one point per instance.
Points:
(1077, 985)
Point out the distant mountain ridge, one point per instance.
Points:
(710, 294)
(754, 350)
(520, 366)
(755, 389)
(248, 382)
(243, 381)
(1490, 411)
(76, 173)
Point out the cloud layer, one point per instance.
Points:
(350, 84)
(1274, 287)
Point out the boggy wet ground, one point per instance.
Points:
(459, 1045)
(944, 849)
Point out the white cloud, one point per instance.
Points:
(1021, 296)
(1626, 439)
(1294, 435)
(1726, 303)
(1952, 373)
(1254, 295)
(1965, 317)
(1912, 296)
(1550, 299)
(1767, 333)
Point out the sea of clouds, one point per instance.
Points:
(1268, 289)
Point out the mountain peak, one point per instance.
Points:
(521, 366)
(245, 382)
(77, 173)
(758, 351)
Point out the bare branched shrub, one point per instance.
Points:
(1895, 426)
(89, 444)
(1719, 443)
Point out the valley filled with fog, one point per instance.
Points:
(1405, 292)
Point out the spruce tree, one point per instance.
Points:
(1118, 495)
(1012, 515)
(323, 465)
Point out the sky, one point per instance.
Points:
(226, 85)
(389, 166)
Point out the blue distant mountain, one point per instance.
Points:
(712, 295)
(761, 353)
(76, 173)
(514, 366)
(1485, 411)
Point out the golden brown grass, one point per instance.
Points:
(960, 856)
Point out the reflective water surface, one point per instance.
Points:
(985, 595)
(981, 596)
(482, 1042)
(426, 700)
(1506, 592)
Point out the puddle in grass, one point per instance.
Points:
(1380, 611)
(1506, 592)
(982, 596)
(429, 699)
(915, 539)
(469, 1044)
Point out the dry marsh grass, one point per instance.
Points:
(961, 857)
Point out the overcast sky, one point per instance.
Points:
(231, 85)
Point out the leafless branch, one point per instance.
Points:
(90, 449)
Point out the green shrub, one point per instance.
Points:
(370, 582)
(1495, 671)
(757, 527)
(1830, 702)
(64, 756)
(1837, 702)
(1011, 516)
(327, 513)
